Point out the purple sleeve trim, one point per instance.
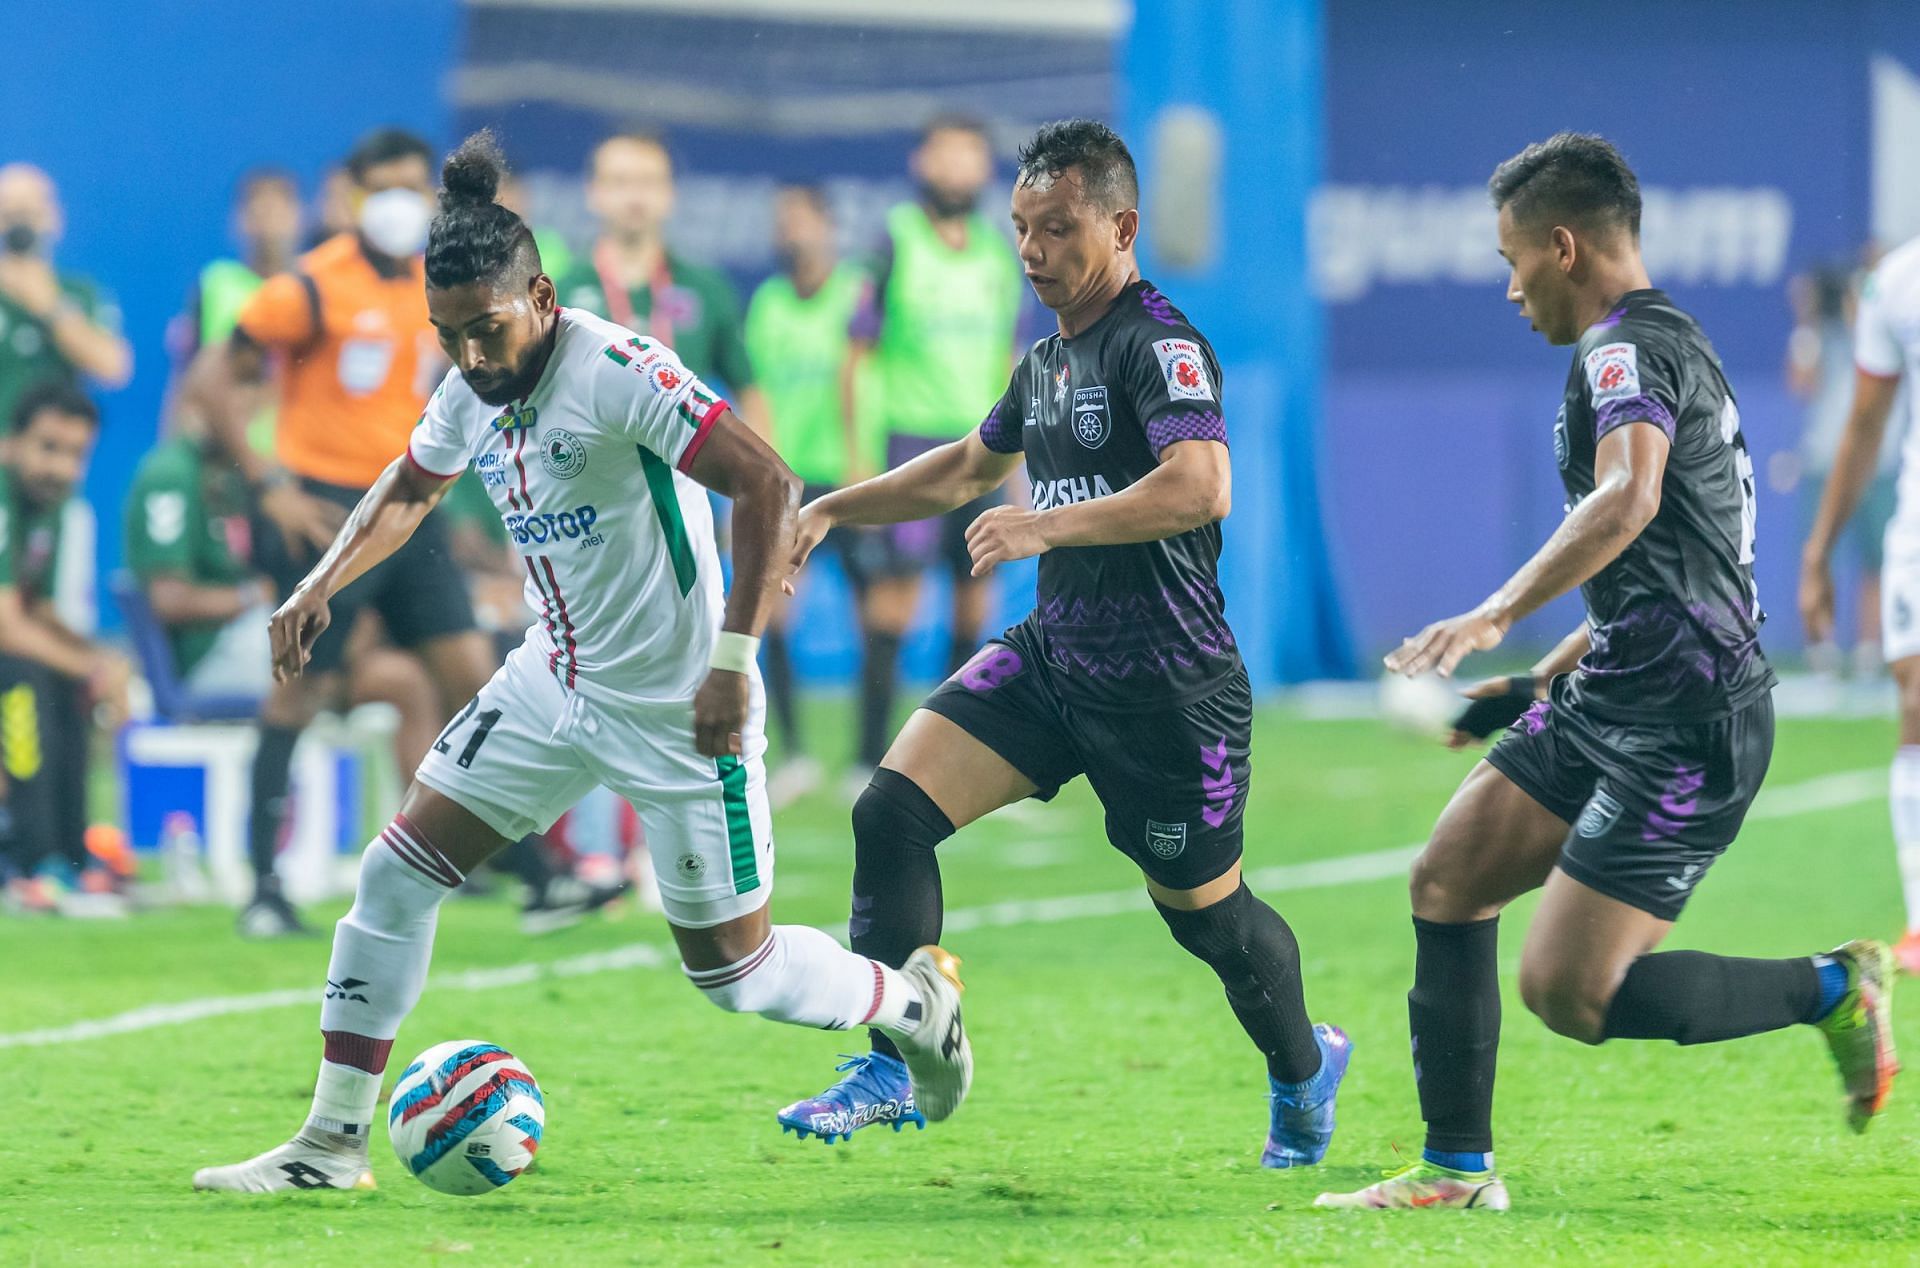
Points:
(1632, 409)
(1001, 433)
(1192, 424)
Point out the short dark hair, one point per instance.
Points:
(954, 121)
(1571, 177)
(637, 134)
(384, 145)
(255, 179)
(809, 193)
(1107, 173)
(53, 396)
(474, 238)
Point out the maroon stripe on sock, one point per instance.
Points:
(359, 1051)
(413, 858)
(879, 989)
(419, 838)
(735, 972)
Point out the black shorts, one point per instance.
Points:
(1172, 780)
(419, 592)
(1650, 806)
(907, 550)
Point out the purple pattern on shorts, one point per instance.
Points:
(1159, 307)
(1001, 433)
(1677, 804)
(1632, 409)
(1192, 424)
(1534, 720)
(1216, 784)
(992, 666)
(1118, 637)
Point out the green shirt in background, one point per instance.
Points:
(696, 313)
(27, 353)
(798, 348)
(187, 518)
(29, 543)
(943, 325)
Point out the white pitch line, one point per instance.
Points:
(1825, 792)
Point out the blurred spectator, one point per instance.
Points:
(556, 257)
(53, 325)
(358, 357)
(796, 334)
(632, 277)
(1820, 373)
(50, 676)
(333, 210)
(266, 224)
(939, 324)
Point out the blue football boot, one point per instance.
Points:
(1302, 1125)
(876, 1090)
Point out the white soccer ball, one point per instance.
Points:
(466, 1117)
(1425, 706)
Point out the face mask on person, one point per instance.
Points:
(394, 222)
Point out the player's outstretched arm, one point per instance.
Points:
(1853, 466)
(936, 482)
(378, 526)
(1192, 487)
(1629, 469)
(736, 463)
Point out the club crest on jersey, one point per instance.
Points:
(1613, 372)
(562, 455)
(516, 418)
(1562, 443)
(1166, 840)
(1091, 425)
(1184, 369)
(1601, 811)
(1061, 378)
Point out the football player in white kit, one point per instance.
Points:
(1886, 350)
(639, 674)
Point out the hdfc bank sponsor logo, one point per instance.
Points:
(550, 526)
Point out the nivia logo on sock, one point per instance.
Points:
(346, 988)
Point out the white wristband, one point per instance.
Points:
(734, 652)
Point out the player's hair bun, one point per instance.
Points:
(471, 175)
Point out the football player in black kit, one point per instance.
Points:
(1125, 672)
(1638, 744)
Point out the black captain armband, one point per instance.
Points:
(1482, 718)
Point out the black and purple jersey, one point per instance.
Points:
(1121, 626)
(1675, 620)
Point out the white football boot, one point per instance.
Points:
(939, 1058)
(311, 1160)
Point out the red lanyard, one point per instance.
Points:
(620, 303)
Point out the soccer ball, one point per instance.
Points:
(1425, 706)
(466, 1117)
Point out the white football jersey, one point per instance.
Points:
(1886, 342)
(588, 474)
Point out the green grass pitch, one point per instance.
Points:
(1117, 1114)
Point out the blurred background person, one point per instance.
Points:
(333, 207)
(51, 677)
(630, 275)
(938, 322)
(797, 340)
(266, 220)
(556, 257)
(54, 325)
(358, 358)
(1820, 375)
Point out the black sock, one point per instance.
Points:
(896, 875)
(1454, 1013)
(878, 670)
(272, 762)
(1695, 997)
(778, 662)
(1254, 954)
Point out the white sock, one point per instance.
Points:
(379, 965)
(802, 976)
(1904, 797)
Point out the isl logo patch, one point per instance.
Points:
(1091, 424)
(1166, 840)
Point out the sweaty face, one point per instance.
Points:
(1538, 260)
(1067, 245)
(497, 335)
(953, 166)
(49, 457)
(631, 189)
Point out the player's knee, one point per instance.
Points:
(403, 880)
(1216, 934)
(756, 983)
(1909, 686)
(893, 812)
(1439, 889)
(1565, 1002)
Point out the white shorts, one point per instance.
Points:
(526, 749)
(1900, 591)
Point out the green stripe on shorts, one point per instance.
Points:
(733, 795)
